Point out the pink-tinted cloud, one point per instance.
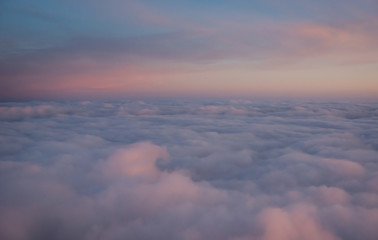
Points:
(298, 223)
(282, 170)
(137, 160)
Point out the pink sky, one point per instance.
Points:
(137, 48)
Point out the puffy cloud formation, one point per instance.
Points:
(137, 160)
(205, 169)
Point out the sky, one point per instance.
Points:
(113, 49)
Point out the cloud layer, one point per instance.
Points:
(225, 169)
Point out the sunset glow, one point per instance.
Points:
(218, 48)
(188, 120)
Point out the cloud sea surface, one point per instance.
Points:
(206, 169)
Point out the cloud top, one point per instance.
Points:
(189, 170)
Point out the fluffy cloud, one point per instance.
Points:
(239, 169)
(137, 160)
